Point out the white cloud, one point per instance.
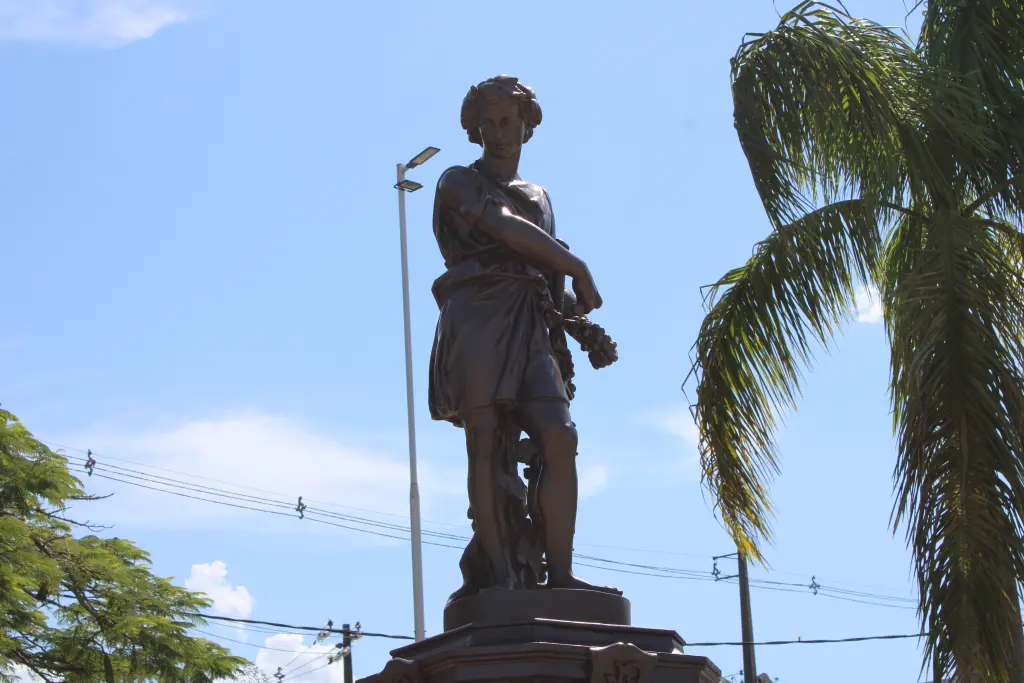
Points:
(108, 23)
(679, 423)
(310, 664)
(23, 674)
(228, 600)
(869, 305)
(593, 479)
(253, 455)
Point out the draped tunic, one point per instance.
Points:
(492, 346)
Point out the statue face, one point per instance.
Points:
(501, 128)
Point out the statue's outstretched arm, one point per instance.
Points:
(531, 242)
(536, 246)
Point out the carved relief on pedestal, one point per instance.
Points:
(400, 671)
(621, 663)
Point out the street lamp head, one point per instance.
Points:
(408, 185)
(422, 157)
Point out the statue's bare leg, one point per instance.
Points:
(483, 445)
(549, 425)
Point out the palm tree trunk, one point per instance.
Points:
(1017, 672)
(1017, 646)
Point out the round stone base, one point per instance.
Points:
(497, 607)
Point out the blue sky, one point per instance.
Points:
(200, 261)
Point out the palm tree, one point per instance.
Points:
(886, 163)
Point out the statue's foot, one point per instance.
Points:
(504, 583)
(579, 584)
(464, 592)
(468, 590)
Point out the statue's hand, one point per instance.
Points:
(587, 296)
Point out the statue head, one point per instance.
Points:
(500, 115)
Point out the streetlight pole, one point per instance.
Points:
(404, 186)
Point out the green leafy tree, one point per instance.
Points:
(892, 163)
(253, 674)
(79, 608)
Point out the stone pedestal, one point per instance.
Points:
(525, 648)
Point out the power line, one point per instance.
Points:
(665, 572)
(319, 636)
(252, 629)
(333, 504)
(639, 573)
(866, 602)
(292, 672)
(660, 551)
(247, 507)
(209, 491)
(183, 495)
(241, 642)
(815, 641)
(765, 643)
(671, 570)
(303, 652)
(389, 514)
(273, 512)
(211, 494)
(361, 634)
(671, 573)
(290, 678)
(240, 486)
(865, 595)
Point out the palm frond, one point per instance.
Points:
(828, 107)
(996, 191)
(823, 104)
(797, 287)
(981, 44)
(954, 300)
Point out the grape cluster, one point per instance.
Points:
(593, 340)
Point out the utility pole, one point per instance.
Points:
(346, 652)
(749, 665)
(746, 622)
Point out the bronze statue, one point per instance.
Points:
(500, 365)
